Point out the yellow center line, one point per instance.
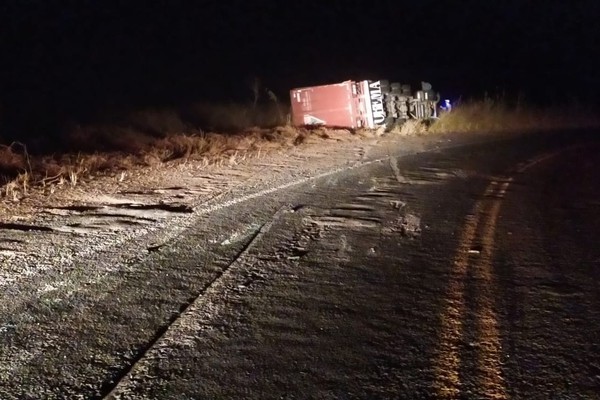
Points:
(489, 356)
(447, 358)
(447, 361)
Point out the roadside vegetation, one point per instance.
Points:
(151, 138)
(494, 115)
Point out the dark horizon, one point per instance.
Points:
(69, 60)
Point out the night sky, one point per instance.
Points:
(69, 60)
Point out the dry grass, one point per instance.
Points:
(410, 127)
(147, 138)
(494, 115)
(112, 150)
(236, 117)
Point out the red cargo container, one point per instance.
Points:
(346, 104)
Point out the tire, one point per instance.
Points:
(385, 86)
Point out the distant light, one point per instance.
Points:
(447, 106)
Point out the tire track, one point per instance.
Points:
(109, 389)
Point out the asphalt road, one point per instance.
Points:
(471, 272)
(468, 272)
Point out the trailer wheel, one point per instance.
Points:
(385, 86)
(389, 123)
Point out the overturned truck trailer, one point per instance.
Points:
(362, 104)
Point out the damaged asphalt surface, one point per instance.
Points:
(454, 269)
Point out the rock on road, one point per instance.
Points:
(465, 272)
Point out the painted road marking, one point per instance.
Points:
(448, 360)
(478, 260)
(489, 358)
